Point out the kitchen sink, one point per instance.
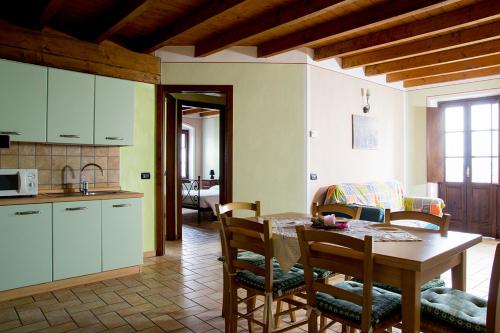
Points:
(78, 194)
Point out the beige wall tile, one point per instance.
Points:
(101, 151)
(9, 162)
(86, 160)
(44, 177)
(114, 162)
(58, 162)
(88, 175)
(113, 176)
(73, 150)
(43, 149)
(44, 187)
(27, 162)
(27, 148)
(58, 150)
(102, 161)
(43, 162)
(13, 150)
(72, 178)
(74, 162)
(57, 177)
(88, 151)
(101, 178)
(114, 151)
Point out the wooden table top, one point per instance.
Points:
(416, 256)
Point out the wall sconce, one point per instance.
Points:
(366, 106)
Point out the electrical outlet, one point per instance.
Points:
(313, 176)
(145, 175)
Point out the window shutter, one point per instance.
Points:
(435, 145)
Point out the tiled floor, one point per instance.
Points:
(180, 292)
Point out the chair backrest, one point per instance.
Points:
(229, 207)
(493, 315)
(242, 234)
(443, 222)
(341, 254)
(353, 212)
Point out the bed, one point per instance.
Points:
(201, 200)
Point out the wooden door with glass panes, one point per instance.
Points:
(471, 164)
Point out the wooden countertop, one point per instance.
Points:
(49, 198)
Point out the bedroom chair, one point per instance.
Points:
(352, 212)
(353, 304)
(447, 310)
(266, 279)
(443, 222)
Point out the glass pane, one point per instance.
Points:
(183, 140)
(481, 143)
(454, 119)
(494, 116)
(481, 170)
(480, 115)
(494, 171)
(454, 144)
(494, 143)
(454, 169)
(183, 162)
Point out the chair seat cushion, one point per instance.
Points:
(320, 273)
(384, 303)
(283, 282)
(434, 283)
(251, 257)
(456, 308)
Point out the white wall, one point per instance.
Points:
(196, 139)
(333, 98)
(211, 147)
(415, 127)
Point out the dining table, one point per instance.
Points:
(405, 264)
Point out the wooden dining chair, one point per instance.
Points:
(446, 310)
(353, 304)
(232, 206)
(443, 222)
(353, 212)
(266, 280)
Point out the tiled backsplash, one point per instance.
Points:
(59, 165)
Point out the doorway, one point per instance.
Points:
(172, 169)
(471, 169)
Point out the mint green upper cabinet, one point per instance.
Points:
(77, 238)
(114, 111)
(121, 233)
(70, 107)
(23, 96)
(26, 242)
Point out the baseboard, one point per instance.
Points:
(149, 254)
(67, 283)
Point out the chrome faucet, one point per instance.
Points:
(84, 184)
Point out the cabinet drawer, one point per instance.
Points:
(77, 238)
(121, 233)
(26, 240)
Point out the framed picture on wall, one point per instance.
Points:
(364, 132)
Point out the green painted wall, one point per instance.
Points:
(141, 158)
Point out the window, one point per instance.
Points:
(184, 154)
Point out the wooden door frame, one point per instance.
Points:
(165, 137)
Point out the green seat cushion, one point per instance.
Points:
(434, 283)
(320, 273)
(455, 308)
(251, 257)
(283, 282)
(384, 303)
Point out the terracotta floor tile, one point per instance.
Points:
(58, 317)
(111, 320)
(139, 322)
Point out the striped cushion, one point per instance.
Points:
(456, 308)
(434, 283)
(384, 303)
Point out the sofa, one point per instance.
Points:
(375, 197)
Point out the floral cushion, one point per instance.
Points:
(455, 308)
(283, 282)
(434, 283)
(384, 303)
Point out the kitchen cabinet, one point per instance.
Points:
(23, 92)
(114, 111)
(26, 239)
(121, 233)
(76, 238)
(70, 107)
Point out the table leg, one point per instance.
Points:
(410, 303)
(459, 273)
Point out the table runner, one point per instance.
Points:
(286, 246)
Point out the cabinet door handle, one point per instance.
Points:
(116, 138)
(73, 136)
(28, 212)
(10, 133)
(71, 209)
(121, 205)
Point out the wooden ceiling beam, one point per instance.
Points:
(456, 54)
(193, 111)
(369, 17)
(210, 113)
(458, 38)
(463, 17)
(299, 11)
(117, 19)
(452, 77)
(452, 67)
(50, 10)
(160, 37)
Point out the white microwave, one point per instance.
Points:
(18, 182)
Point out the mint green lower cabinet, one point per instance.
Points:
(26, 243)
(121, 233)
(77, 238)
